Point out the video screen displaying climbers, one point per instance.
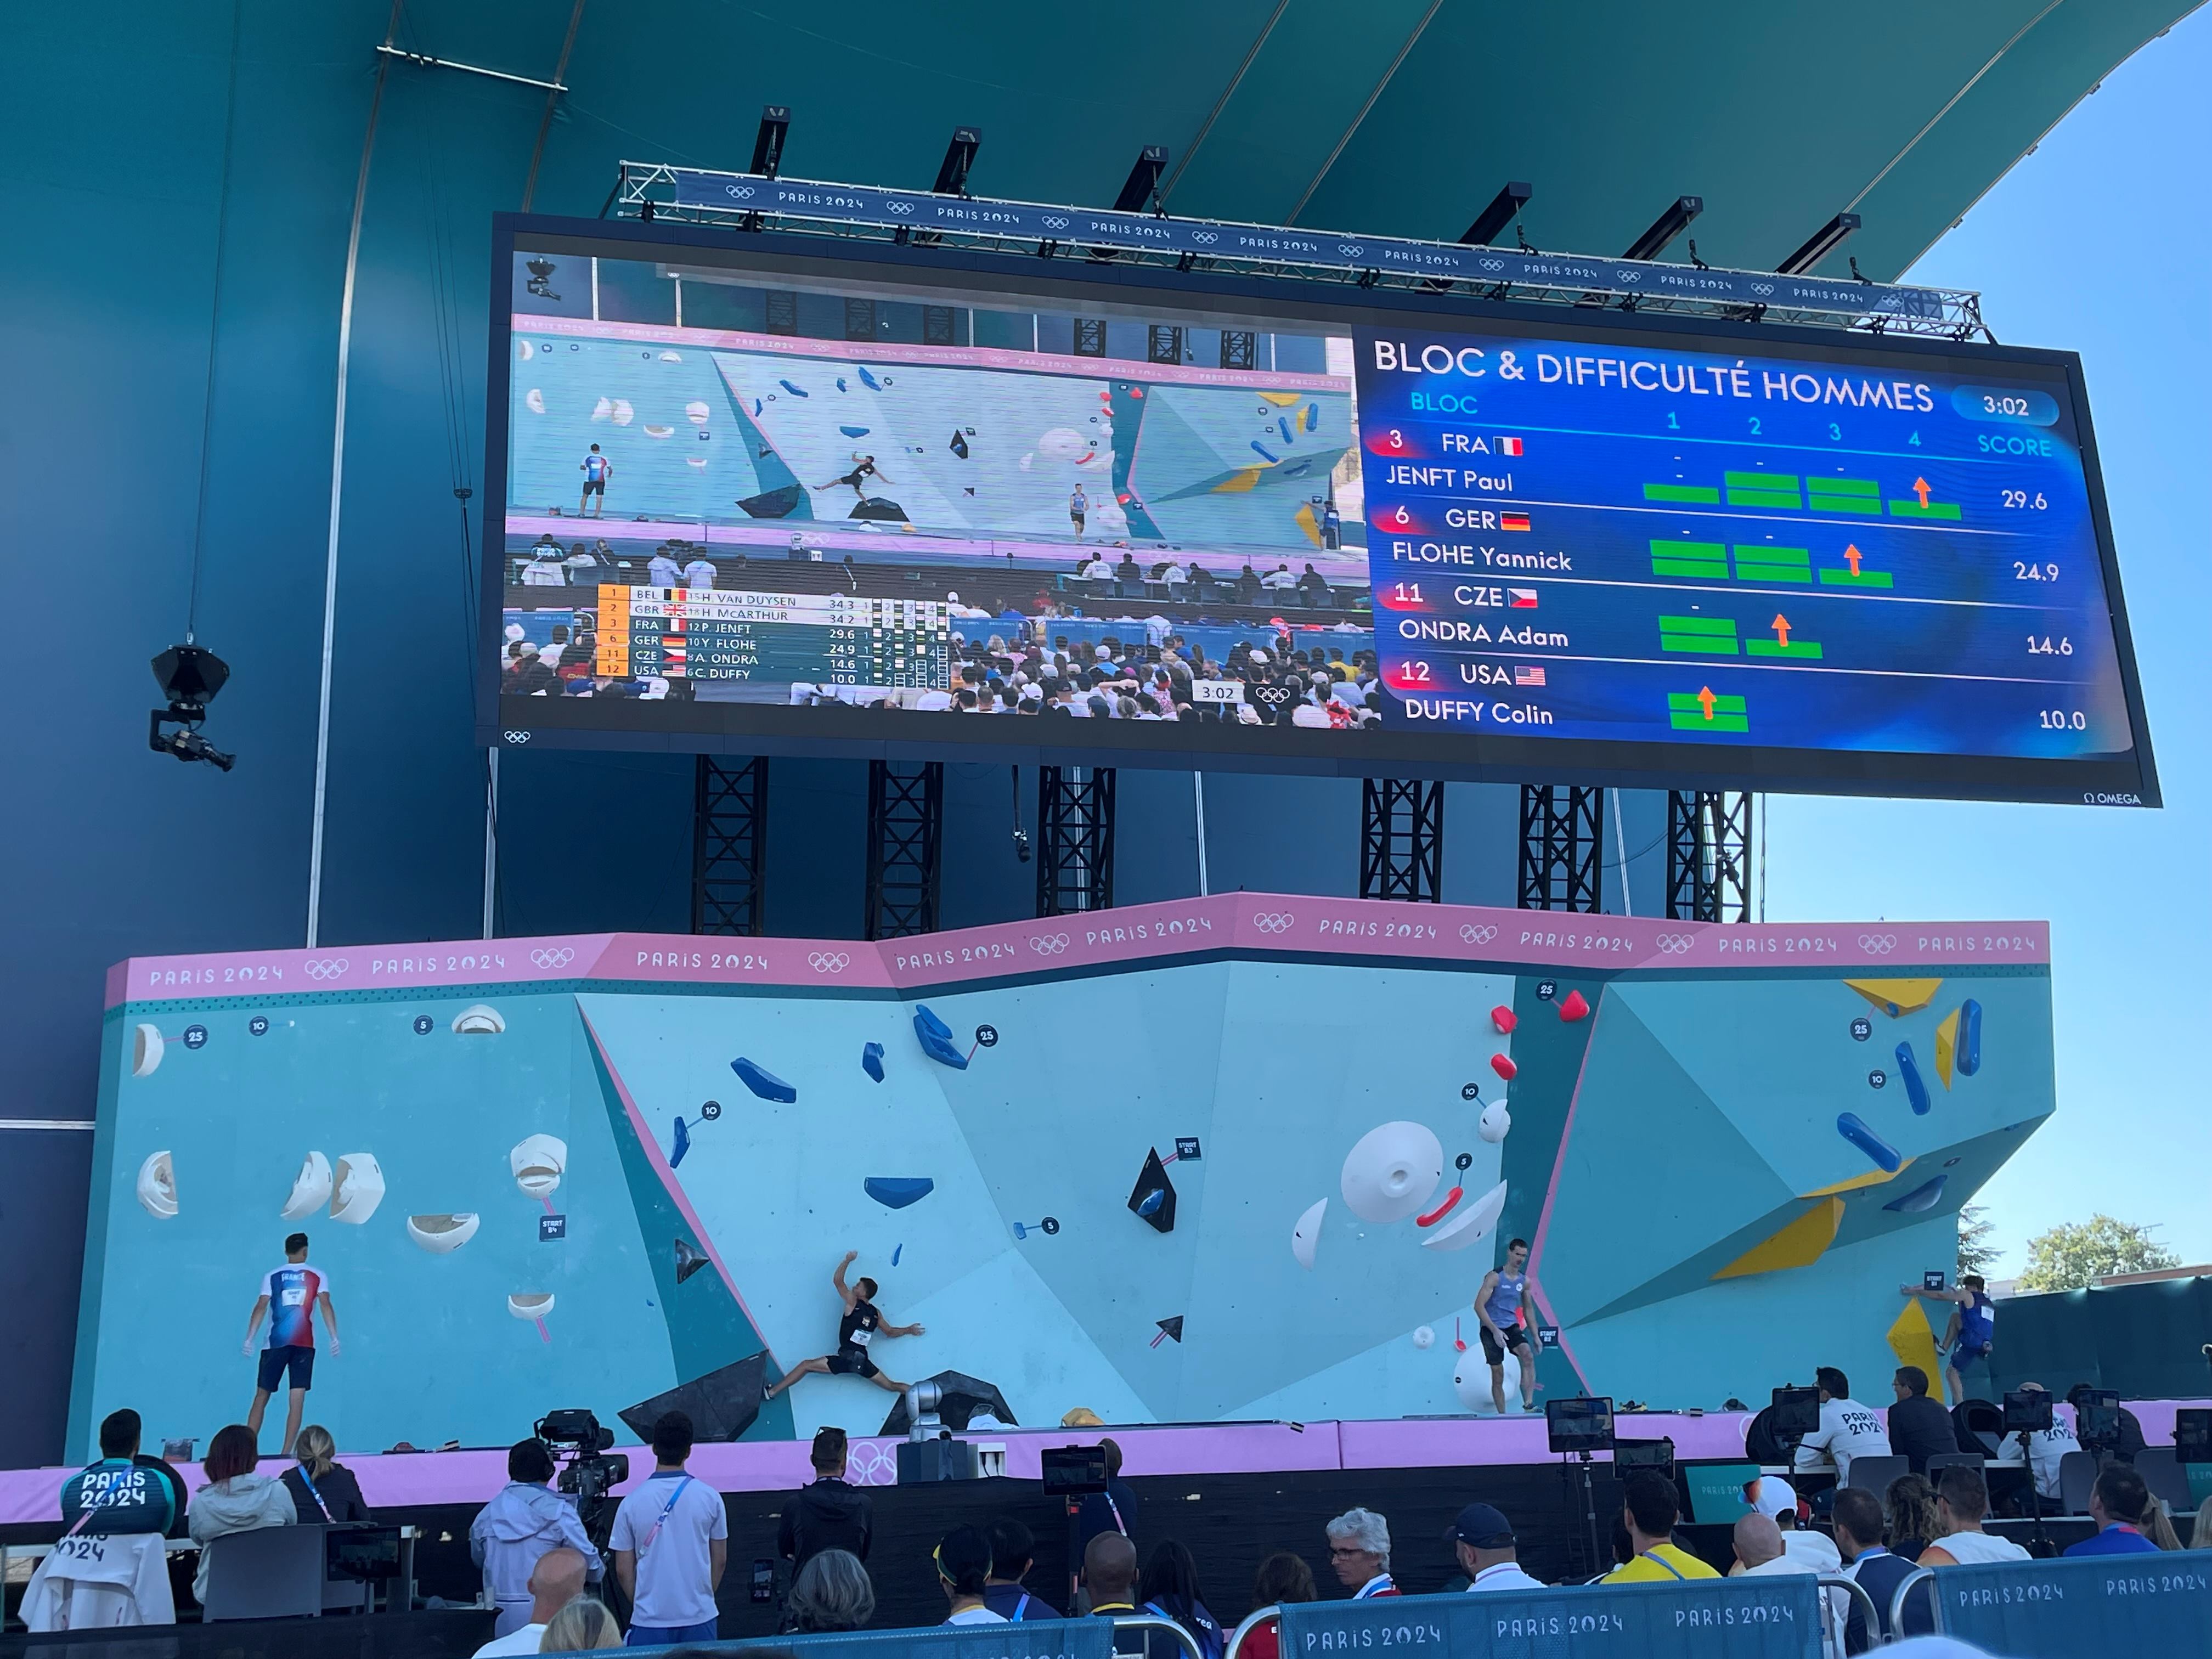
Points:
(749, 506)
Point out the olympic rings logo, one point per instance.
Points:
(1054, 221)
(873, 1465)
(1350, 250)
(1877, 945)
(1675, 945)
(899, 207)
(1274, 922)
(326, 968)
(556, 958)
(1049, 944)
(1762, 289)
(828, 962)
(1472, 935)
(1205, 238)
(739, 192)
(516, 737)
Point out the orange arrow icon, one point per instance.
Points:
(1920, 488)
(1851, 556)
(1780, 627)
(1706, 700)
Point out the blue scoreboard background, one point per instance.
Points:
(1874, 565)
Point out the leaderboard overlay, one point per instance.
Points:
(1649, 538)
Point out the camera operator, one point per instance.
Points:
(523, 1521)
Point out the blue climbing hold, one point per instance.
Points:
(1313, 417)
(1969, 1060)
(1925, 1196)
(767, 1085)
(1852, 1130)
(937, 1045)
(1915, 1088)
(683, 1144)
(1302, 468)
(757, 405)
(871, 1059)
(1263, 454)
(923, 1017)
(1283, 425)
(841, 383)
(853, 431)
(1151, 1202)
(868, 380)
(897, 1251)
(897, 1192)
(795, 390)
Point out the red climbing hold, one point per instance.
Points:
(1502, 1020)
(1573, 1008)
(1503, 1067)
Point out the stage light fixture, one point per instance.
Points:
(1503, 209)
(189, 675)
(1822, 242)
(959, 156)
(1140, 190)
(768, 143)
(1666, 227)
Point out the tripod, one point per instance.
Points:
(1599, 1555)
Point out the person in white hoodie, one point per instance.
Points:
(522, 1521)
(1775, 1498)
(235, 1498)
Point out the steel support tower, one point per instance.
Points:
(1075, 839)
(729, 844)
(1708, 855)
(906, 826)
(1562, 847)
(1401, 839)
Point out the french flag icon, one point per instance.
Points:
(1509, 446)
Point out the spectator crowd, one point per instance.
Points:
(552, 1590)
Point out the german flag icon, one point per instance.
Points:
(1513, 520)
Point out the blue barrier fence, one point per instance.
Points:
(1030, 1638)
(1764, 1618)
(2062, 1609)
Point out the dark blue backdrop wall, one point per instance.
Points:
(148, 149)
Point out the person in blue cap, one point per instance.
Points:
(1482, 1538)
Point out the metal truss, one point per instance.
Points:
(1708, 855)
(1075, 841)
(646, 190)
(906, 831)
(1401, 839)
(1562, 848)
(729, 844)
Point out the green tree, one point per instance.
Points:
(1976, 1254)
(2069, 1257)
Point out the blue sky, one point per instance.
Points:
(2096, 242)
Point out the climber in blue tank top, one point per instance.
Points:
(1497, 1305)
(1971, 1333)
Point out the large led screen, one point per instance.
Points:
(753, 494)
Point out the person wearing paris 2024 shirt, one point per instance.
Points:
(1847, 1430)
(291, 1296)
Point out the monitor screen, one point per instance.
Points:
(780, 495)
(1579, 1424)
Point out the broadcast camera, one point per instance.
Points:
(189, 675)
(588, 1472)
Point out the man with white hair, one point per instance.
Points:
(1359, 1550)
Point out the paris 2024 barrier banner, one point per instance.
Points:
(1249, 1156)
